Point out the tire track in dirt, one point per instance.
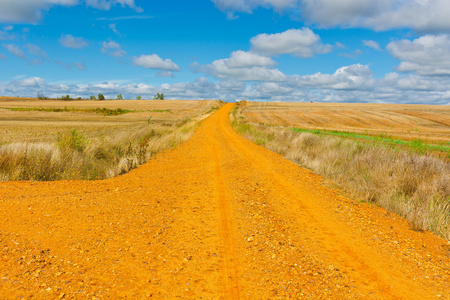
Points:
(231, 273)
(216, 218)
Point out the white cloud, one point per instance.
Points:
(372, 44)
(299, 42)
(106, 4)
(420, 15)
(245, 66)
(113, 49)
(353, 77)
(113, 28)
(242, 59)
(248, 5)
(15, 50)
(427, 55)
(36, 50)
(69, 41)
(348, 84)
(29, 82)
(30, 11)
(153, 61)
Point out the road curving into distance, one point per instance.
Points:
(217, 218)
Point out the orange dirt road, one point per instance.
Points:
(216, 218)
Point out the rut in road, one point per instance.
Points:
(217, 218)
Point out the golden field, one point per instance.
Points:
(429, 123)
(41, 126)
(55, 139)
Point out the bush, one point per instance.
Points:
(119, 97)
(93, 97)
(101, 97)
(66, 97)
(138, 98)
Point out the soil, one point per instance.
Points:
(217, 218)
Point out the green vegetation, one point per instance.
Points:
(65, 97)
(160, 110)
(119, 97)
(41, 96)
(101, 97)
(93, 97)
(138, 98)
(158, 96)
(416, 145)
(101, 111)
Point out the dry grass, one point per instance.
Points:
(78, 144)
(413, 185)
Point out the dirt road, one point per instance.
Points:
(217, 218)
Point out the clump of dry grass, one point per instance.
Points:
(410, 184)
(74, 155)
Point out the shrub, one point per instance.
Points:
(101, 97)
(93, 97)
(138, 98)
(119, 97)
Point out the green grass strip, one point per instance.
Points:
(101, 111)
(417, 145)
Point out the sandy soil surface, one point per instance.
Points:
(405, 121)
(216, 218)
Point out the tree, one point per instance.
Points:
(93, 97)
(158, 96)
(101, 97)
(119, 97)
(138, 98)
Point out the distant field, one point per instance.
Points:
(430, 123)
(85, 139)
(30, 125)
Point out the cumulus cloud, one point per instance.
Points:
(427, 55)
(113, 49)
(153, 61)
(299, 42)
(372, 44)
(420, 15)
(15, 50)
(353, 77)
(244, 66)
(31, 11)
(69, 41)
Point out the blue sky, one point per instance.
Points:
(380, 51)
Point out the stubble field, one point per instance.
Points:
(430, 123)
